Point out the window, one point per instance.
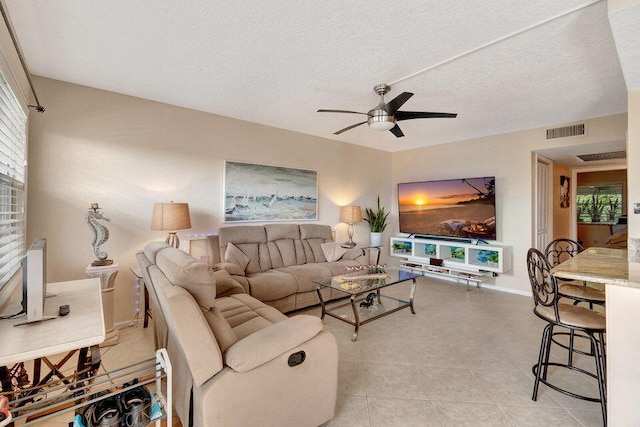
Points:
(13, 142)
(600, 203)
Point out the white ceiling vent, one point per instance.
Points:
(602, 156)
(566, 131)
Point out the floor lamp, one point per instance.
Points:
(172, 217)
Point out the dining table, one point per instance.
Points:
(619, 271)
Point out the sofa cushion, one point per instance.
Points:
(271, 285)
(221, 329)
(333, 251)
(282, 231)
(246, 315)
(185, 271)
(306, 274)
(236, 256)
(152, 249)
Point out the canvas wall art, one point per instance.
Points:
(565, 193)
(256, 192)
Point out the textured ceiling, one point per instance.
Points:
(501, 65)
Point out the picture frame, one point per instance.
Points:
(259, 193)
(565, 191)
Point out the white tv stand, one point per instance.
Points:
(461, 262)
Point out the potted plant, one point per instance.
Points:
(377, 220)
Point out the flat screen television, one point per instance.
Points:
(454, 208)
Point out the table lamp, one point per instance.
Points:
(171, 216)
(350, 215)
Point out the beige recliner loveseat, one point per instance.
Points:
(236, 361)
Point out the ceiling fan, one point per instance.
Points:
(384, 116)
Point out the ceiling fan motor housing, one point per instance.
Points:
(380, 119)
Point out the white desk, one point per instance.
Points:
(82, 327)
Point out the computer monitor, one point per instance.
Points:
(34, 282)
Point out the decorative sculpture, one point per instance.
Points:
(100, 234)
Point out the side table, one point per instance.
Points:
(107, 275)
(140, 283)
(378, 249)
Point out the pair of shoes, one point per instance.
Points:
(131, 408)
(5, 413)
(368, 302)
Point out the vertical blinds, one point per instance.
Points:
(13, 143)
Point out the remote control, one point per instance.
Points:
(63, 310)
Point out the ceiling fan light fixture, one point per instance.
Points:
(380, 120)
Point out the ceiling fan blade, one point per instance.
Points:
(397, 102)
(341, 111)
(349, 128)
(396, 131)
(407, 115)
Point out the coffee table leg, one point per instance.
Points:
(411, 295)
(324, 310)
(356, 318)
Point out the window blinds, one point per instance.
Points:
(13, 142)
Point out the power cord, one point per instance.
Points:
(13, 316)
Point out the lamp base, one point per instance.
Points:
(349, 245)
(173, 240)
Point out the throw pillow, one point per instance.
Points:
(333, 251)
(234, 255)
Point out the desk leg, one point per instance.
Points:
(356, 318)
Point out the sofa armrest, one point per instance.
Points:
(231, 268)
(226, 285)
(272, 341)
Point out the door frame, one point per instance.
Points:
(539, 158)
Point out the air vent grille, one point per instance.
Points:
(603, 156)
(566, 131)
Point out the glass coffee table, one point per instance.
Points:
(366, 303)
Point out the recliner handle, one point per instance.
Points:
(297, 358)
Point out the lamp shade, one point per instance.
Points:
(350, 214)
(170, 216)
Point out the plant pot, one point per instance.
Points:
(376, 239)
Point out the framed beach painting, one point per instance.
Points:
(254, 192)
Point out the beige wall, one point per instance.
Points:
(127, 153)
(561, 216)
(509, 158)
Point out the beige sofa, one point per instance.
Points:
(236, 361)
(277, 263)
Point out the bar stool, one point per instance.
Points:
(573, 317)
(556, 252)
(560, 250)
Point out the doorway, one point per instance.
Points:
(543, 215)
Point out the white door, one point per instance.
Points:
(543, 192)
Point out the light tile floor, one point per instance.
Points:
(464, 359)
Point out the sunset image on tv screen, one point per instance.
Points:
(455, 207)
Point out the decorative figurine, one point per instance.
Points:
(100, 234)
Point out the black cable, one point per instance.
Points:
(12, 316)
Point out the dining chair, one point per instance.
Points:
(573, 317)
(557, 252)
